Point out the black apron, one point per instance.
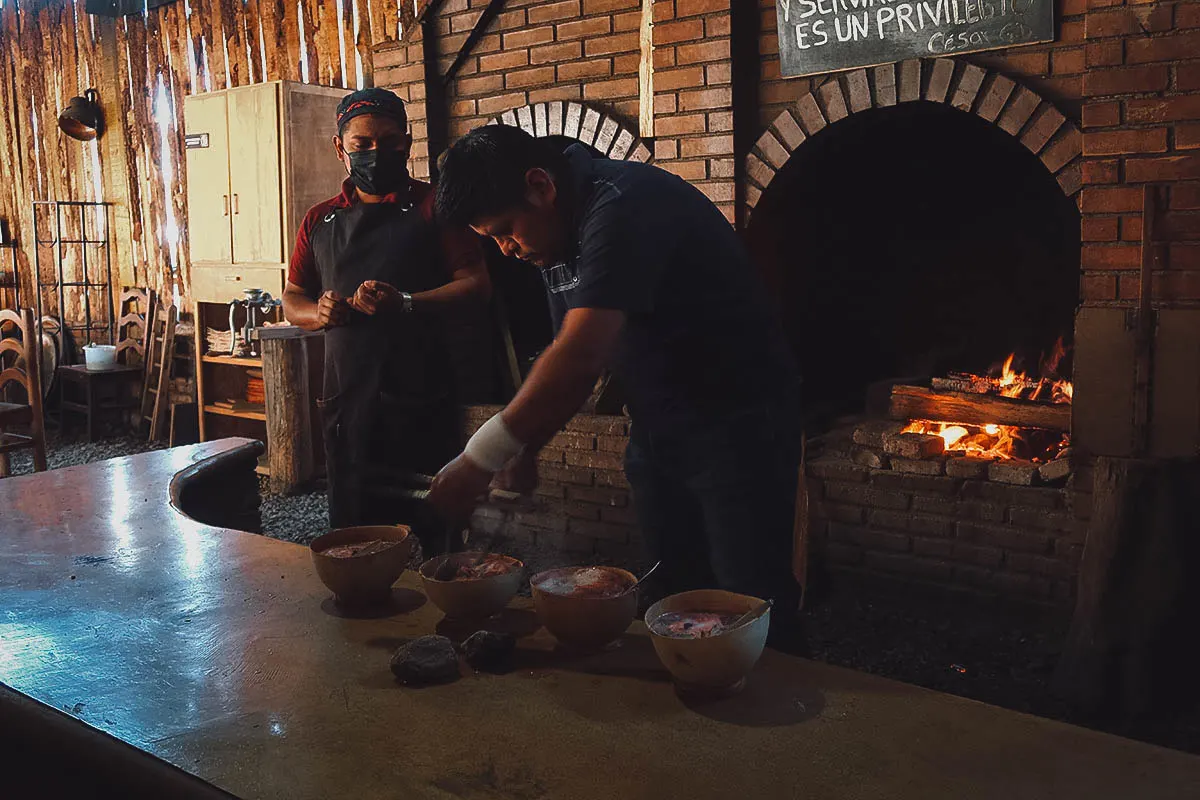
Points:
(389, 403)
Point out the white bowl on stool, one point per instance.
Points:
(714, 665)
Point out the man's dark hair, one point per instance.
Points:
(483, 173)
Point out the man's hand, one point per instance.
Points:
(458, 488)
(520, 476)
(373, 296)
(331, 310)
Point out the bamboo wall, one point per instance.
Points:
(142, 66)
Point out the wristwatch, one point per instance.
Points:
(406, 304)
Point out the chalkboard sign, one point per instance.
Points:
(829, 35)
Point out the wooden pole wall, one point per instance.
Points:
(52, 50)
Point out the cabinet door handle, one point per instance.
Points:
(225, 205)
(235, 204)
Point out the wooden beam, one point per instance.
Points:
(915, 402)
(489, 13)
(646, 73)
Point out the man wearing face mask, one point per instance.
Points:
(374, 271)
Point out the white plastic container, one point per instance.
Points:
(100, 356)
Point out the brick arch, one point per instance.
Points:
(1016, 109)
(580, 121)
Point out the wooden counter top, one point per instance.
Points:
(218, 651)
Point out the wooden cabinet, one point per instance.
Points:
(258, 157)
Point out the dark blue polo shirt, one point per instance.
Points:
(700, 339)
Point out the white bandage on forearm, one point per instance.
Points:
(493, 445)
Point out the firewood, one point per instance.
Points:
(915, 402)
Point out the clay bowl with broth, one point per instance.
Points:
(474, 592)
(585, 608)
(697, 641)
(359, 565)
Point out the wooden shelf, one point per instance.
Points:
(238, 361)
(261, 416)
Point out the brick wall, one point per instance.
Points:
(1020, 542)
(582, 505)
(1141, 120)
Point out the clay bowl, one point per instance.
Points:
(579, 620)
(715, 665)
(471, 598)
(364, 580)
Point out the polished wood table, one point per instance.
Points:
(208, 660)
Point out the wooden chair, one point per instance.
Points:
(23, 369)
(114, 390)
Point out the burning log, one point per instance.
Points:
(915, 402)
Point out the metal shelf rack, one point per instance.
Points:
(91, 237)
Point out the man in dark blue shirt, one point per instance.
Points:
(647, 277)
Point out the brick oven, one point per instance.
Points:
(916, 219)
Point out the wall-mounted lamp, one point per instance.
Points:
(82, 118)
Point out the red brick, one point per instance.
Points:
(594, 460)
(570, 440)
(1109, 200)
(664, 11)
(528, 37)
(1111, 143)
(607, 45)
(1171, 168)
(552, 12)
(1185, 196)
(1098, 287)
(1004, 537)
(612, 479)
(663, 57)
(717, 26)
(864, 496)
(504, 60)
(584, 28)
(1187, 77)
(1179, 228)
(619, 516)
(1070, 8)
(1131, 229)
(684, 78)
(561, 92)
(674, 126)
(1187, 136)
(687, 30)
(665, 104)
(720, 121)
(922, 568)
(1163, 110)
(1111, 257)
(1029, 64)
(1071, 31)
(706, 98)
(1098, 229)
(1042, 519)
(1105, 54)
(1097, 172)
(1125, 81)
(1127, 21)
(509, 20)
(608, 90)
(688, 170)
(721, 167)
(553, 53)
(718, 74)
(703, 51)
(612, 444)
(706, 146)
(613, 498)
(599, 424)
(691, 8)
(841, 513)
(1101, 115)
(525, 78)
(591, 7)
(627, 64)
(584, 69)
(872, 539)
(718, 193)
(484, 84)
(1067, 61)
(631, 21)
(1187, 15)
(1163, 48)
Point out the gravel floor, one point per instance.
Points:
(964, 648)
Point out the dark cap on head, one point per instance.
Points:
(370, 101)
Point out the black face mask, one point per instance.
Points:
(379, 172)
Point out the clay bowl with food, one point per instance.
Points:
(697, 640)
(585, 608)
(359, 565)
(466, 590)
